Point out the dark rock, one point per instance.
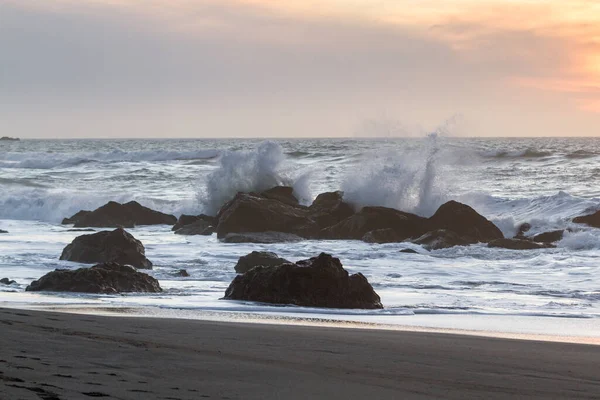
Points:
(81, 230)
(256, 258)
(383, 236)
(284, 194)
(113, 214)
(329, 208)
(108, 246)
(518, 244)
(6, 281)
(549, 237)
(318, 282)
(591, 220)
(182, 273)
(249, 212)
(262, 238)
(1, 231)
(442, 239)
(523, 228)
(200, 227)
(409, 251)
(190, 219)
(404, 225)
(466, 222)
(105, 278)
(9, 139)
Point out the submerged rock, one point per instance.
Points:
(256, 258)
(409, 251)
(466, 222)
(262, 238)
(591, 220)
(6, 281)
(318, 282)
(442, 239)
(106, 278)
(1, 231)
(200, 227)
(518, 244)
(190, 219)
(113, 215)
(108, 246)
(182, 273)
(549, 237)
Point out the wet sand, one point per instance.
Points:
(52, 356)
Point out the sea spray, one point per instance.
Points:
(249, 171)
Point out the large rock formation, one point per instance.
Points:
(113, 215)
(107, 278)
(256, 258)
(466, 222)
(249, 212)
(591, 220)
(518, 244)
(108, 246)
(398, 224)
(318, 282)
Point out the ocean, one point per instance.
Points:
(543, 181)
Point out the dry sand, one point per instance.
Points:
(66, 356)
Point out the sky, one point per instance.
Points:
(298, 68)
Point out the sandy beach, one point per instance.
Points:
(52, 356)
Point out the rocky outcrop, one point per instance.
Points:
(398, 224)
(466, 222)
(518, 244)
(330, 208)
(106, 278)
(182, 273)
(113, 215)
(200, 227)
(284, 194)
(108, 246)
(318, 282)
(258, 258)
(249, 212)
(442, 239)
(190, 219)
(549, 237)
(262, 238)
(6, 281)
(591, 220)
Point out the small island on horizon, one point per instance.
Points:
(7, 138)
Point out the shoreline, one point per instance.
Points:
(323, 322)
(64, 356)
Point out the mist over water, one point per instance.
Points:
(545, 182)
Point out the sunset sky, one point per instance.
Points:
(258, 68)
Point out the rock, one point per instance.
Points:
(256, 258)
(284, 194)
(318, 282)
(404, 225)
(107, 246)
(113, 214)
(383, 236)
(523, 228)
(442, 239)
(518, 244)
(591, 220)
(182, 273)
(9, 139)
(329, 208)
(549, 237)
(1, 231)
(262, 238)
(190, 219)
(466, 222)
(200, 227)
(249, 212)
(409, 251)
(6, 281)
(107, 278)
